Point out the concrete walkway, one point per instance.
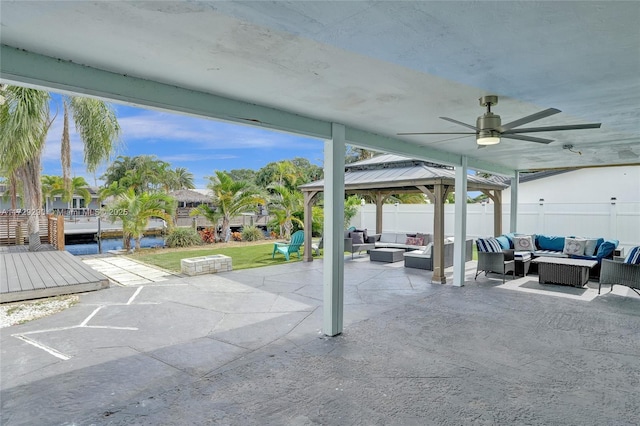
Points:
(246, 348)
(124, 271)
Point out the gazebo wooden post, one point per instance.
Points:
(440, 193)
(308, 224)
(379, 199)
(496, 197)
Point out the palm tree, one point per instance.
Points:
(284, 204)
(50, 184)
(98, 127)
(178, 178)
(135, 210)
(24, 123)
(230, 198)
(78, 186)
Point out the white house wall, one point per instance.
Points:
(583, 185)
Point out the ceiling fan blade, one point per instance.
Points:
(437, 133)
(526, 138)
(554, 128)
(528, 119)
(459, 122)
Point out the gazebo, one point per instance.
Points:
(388, 174)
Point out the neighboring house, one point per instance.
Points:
(590, 185)
(187, 200)
(55, 203)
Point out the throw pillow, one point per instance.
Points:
(504, 242)
(364, 234)
(523, 243)
(414, 241)
(427, 249)
(490, 245)
(574, 246)
(605, 250)
(426, 238)
(356, 237)
(633, 257)
(590, 247)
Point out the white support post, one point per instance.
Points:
(513, 222)
(460, 228)
(333, 272)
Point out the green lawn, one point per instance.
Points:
(244, 257)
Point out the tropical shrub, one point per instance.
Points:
(236, 236)
(183, 237)
(251, 233)
(208, 235)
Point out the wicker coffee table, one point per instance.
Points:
(388, 255)
(561, 270)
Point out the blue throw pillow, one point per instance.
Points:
(504, 242)
(606, 249)
(545, 242)
(633, 257)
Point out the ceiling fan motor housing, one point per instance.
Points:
(488, 122)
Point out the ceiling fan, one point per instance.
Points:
(489, 130)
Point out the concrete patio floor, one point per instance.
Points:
(246, 348)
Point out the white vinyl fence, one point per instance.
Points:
(620, 221)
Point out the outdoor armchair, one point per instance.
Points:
(613, 272)
(501, 262)
(292, 247)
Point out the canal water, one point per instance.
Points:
(111, 244)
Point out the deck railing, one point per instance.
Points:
(13, 229)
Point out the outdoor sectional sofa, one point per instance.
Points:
(358, 240)
(557, 246)
(402, 240)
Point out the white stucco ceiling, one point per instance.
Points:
(383, 67)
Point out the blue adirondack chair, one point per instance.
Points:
(293, 247)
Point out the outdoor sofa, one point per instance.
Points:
(423, 258)
(402, 240)
(585, 248)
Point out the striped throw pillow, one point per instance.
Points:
(489, 245)
(633, 257)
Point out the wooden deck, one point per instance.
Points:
(32, 275)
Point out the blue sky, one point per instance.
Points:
(200, 145)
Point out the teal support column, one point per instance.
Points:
(333, 272)
(513, 220)
(460, 228)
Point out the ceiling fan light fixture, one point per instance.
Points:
(488, 138)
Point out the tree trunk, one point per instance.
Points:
(225, 228)
(13, 185)
(29, 174)
(65, 154)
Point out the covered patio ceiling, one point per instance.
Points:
(379, 68)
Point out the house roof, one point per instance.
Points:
(189, 196)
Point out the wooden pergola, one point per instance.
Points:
(388, 174)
